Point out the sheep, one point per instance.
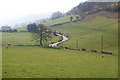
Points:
(83, 49)
(94, 51)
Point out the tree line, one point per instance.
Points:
(14, 30)
(7, 29)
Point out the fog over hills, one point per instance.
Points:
(23, 19)
(14, 12)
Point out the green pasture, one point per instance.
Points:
(36, 62)
(23, 38)
(17, 38)
(59, 20)
(89, 34)
(21, 28)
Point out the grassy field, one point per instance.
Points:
(59, 20)
(17, 38)
(38, 62)
(22, 38)
(21, 28)
(89, 34)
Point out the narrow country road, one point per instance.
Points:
(64, 38)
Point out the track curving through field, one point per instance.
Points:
(64, 38)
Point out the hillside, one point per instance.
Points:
(52, 22)
(88, 34)
(87, 8)
(59, 20)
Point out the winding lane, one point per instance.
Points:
(64, 38)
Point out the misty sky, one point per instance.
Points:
(12, 9)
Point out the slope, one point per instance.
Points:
(88, 34)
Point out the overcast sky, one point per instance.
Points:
(10, 9)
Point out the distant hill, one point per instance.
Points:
(51, 22)
(86, 11)
(87, 8)
(24, 20)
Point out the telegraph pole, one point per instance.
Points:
(102, 43)
(77, 44)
